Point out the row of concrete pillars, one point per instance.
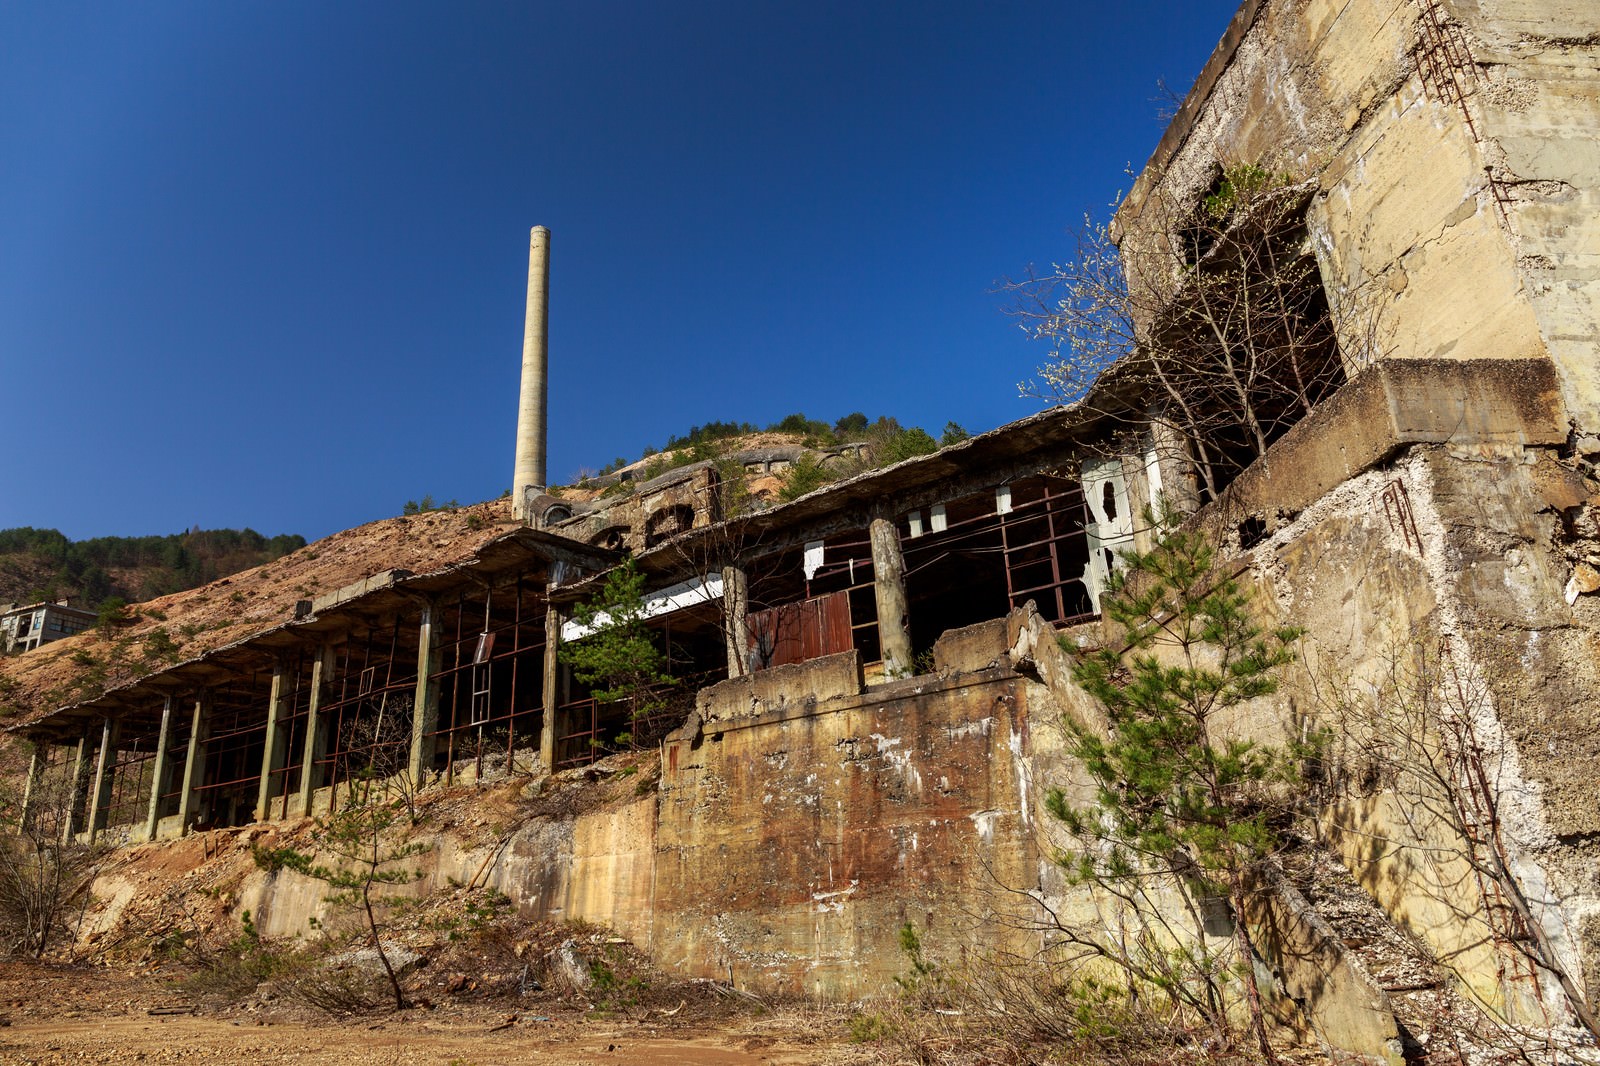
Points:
(894, 641)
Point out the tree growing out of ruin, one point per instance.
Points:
(359, 852)
(1206, 320)
(619, 659)
(1179, 810)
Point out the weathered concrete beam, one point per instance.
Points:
(36, 765)
(104, 773)
(194, 759)
(316, 745)
(425, 703)
(550, 734)
(889, 588)
(275, 749)
(356, 589)
(158, 776)
(1473, 403)
(77, 785)
(735, 613)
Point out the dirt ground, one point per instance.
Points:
(60, 1014)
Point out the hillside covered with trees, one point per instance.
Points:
(43, 564)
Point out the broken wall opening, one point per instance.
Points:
(1243, 346)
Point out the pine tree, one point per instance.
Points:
(1175, 801)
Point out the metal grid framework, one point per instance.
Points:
(52, 800)
(366, 706)
(132, 771)
(780, 587)
(847, 568)
(490, 681)
(1040, 544)
(1046, 548)
(235, 737)
(696, 656)
(592, 727)
(489, 646)
(984, 561)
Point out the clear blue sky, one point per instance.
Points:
(263, 263)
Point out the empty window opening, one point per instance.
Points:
(668, 523)
(612, 538)
(1252, 531)
(1248, 340)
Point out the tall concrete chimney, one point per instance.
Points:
(535, 404)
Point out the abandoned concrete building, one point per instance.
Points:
(871, 673)
(23, 628)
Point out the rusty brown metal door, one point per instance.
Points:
(795, 632)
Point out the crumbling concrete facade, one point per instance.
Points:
(1442, 506)
(872, 671)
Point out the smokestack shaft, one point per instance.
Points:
(533, 409)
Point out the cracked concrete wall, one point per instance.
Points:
(1456, 219)
(1473, 570)
(1537, 100)
(793, 844)
(1454, 212)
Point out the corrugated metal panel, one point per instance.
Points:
(796, 632)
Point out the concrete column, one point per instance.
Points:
(534, 405)
(104, 774)
(735, 612)
(889, 588)
(275, 750)
(158, 778)
(194, 762)
(425, 704)
(76, 786)
(316, 745)
(36, 764)
(553, 621)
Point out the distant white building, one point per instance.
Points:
(25, 628)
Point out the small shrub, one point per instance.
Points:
(344, 989)
(159, 647)
(908, 444)
(113, 615)
(805, 475)
(233, 971)
(870, 1029)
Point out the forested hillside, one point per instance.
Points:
(43, 564)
